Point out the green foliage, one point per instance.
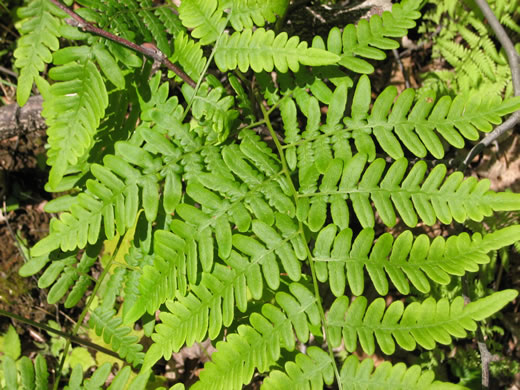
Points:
(104, 322)
(465, 42)
(41, 30)
(231, 235)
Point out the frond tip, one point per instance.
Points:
(263, 50)
(425, 323)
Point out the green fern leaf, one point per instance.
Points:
(189, 55)
(425, 323)
(398, 376)
(263, 50)
(40, 33)
(369, 38)
(430, 198)
(105, 323)
(310, 370)
(245, 14)
(155, 26)
(402, 261)
(205, 18)
(73, 110)
(258, 345)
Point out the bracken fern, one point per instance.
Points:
(230, 235)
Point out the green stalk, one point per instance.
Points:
(287, 173)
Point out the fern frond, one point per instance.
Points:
(189, 55)
(170, 20)
(73, 109)
(369, 38)
(245, 14)
(257, 346)
(113, 197)
(36, 376)
(40, 33)
(155, 26)
(398, 376)
(310, 370)
(210, 304)
(413, 195)
(425, 323)
(63, 273)
(263, 50)
(214, 107)
(105, 323)
(392, 122)
(405, 260)
(204, 18)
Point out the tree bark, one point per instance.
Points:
(16, 120)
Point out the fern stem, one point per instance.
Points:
(204, 71)
(149, 50)
(68, 336)
(287, 173)
(86, 308)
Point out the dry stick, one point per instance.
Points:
(71, 337)
(512, 58)
(401, 68)
(149, 49)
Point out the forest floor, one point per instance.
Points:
(23, 222)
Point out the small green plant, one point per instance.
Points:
(243, 198)
(464, 40)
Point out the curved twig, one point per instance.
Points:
(147, 49)
(514, 64)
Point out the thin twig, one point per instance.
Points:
(401, 68)
(8, 71)
(148, 49)
(68, 336)
(514, 65)
(486, 357)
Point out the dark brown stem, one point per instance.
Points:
(147, 50)
(72, 338)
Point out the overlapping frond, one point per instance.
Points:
(313, 369)
(214, 107)
(424, 323)
(105, 323)
(73, 109)
(210, 304)
(413, 194)
(205, 18)
(468, 46)
(245, 14)
(369, 38)
(189, 55)
(420, 127)
(263, 50)
(29, 375)
(155, 25)
(40, 32)
(124, 183)
(257, 346)
(404, 260)
(308, 371)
